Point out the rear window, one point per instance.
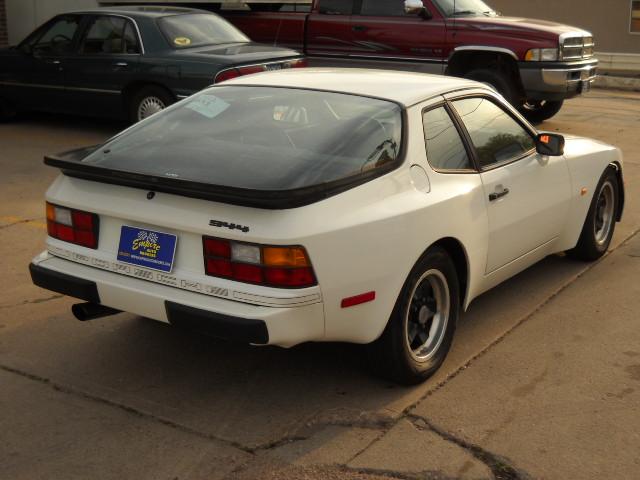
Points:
(198, 29)
(261, 138)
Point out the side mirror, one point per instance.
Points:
(550, 144)
(25, 48)
(416, 7)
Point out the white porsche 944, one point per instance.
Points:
(324, 205)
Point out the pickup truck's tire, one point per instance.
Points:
(148, 100)
(540, 110)
(600, 223)
(420, 330)
(497, 80)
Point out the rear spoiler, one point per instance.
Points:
(70, 164)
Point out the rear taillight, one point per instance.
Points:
(248, 70)
(73, 226)
(282, 267)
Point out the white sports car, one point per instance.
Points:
(324, 205)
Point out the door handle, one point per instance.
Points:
(495, 196)
(359, 28)
(53, 62)
(121, 64)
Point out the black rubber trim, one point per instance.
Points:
(217, 325)
(65, 284)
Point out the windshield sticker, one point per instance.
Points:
(208, 105)
(182, 41)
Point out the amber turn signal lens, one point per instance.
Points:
(51, 212)
(285, 257)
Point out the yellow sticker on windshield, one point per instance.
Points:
(182, 41)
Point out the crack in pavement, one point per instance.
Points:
(34, 221)
(424, 475)
(501, 467)
(34, 301)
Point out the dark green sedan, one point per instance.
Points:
(128, 62)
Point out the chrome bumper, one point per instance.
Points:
(557, 83)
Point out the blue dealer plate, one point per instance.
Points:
(147, 248)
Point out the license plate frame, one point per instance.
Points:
(144, 247)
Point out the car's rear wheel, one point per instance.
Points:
(537, 111)
(600, 223)
(420, 331)
(497, 80)
(148, 101)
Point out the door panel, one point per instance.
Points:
(329, 31)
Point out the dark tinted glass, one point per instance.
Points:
(445, 150)
(260, 138)
(131, 44)
(56, 39)
(336, 7)
(495, 134)
(105, 35)
(192, 30)
(382, 7)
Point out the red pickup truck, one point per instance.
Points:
(534, 64)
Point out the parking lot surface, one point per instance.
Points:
(542, 380)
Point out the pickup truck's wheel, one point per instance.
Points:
(148, 101)
(601, 220)
(497, 80)
(537, 111)
(420, 330)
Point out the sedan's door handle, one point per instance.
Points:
(121, 64)
(495, 196)
(53, 62)
(359, 28)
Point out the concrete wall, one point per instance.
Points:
(608, 20)
(3, 25)
(23, 16)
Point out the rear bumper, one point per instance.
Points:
(217, 317)
(557, 81)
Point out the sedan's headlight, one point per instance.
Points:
(542, 55)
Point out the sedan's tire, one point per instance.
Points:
(540, 110)
(601, 219)
(497, 80)
(148, 101)
(420, 330)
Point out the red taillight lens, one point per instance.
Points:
(300, 63)
(226, 75)
(284, 267)
(73, 226)
(252, 69)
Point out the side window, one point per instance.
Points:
(383, 8)
(58, 38)
(445, 149)
(104, 36)
(336, 7)
(496, 136)
(131, 44)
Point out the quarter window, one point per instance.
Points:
(445, 150)
(336, 7)
(496, 136)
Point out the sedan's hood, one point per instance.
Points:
(514, 25)
(236, 53)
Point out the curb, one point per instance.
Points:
(629, 84)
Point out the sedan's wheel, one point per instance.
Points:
(601, 220)
(420, 330)
(149, 101)
(537, 111)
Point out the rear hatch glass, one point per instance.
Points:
(262, 139)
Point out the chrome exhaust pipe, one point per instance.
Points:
(91, 311)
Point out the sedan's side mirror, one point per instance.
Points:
(416, 7)
(550, 144)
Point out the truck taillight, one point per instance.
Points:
(248, 70)
(73, 226)
(271, 266)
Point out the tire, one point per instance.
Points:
(497, 80)
(147, 101)
(539, 111)
(600, 223)
(415, 342)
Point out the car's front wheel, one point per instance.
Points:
(148, 101)
(420, 330)
(600, 223)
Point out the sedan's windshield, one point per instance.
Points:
(261, 138)
(198, 29)
(453, 8)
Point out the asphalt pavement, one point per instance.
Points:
(542, 380)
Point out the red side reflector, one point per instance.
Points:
(358, 300)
